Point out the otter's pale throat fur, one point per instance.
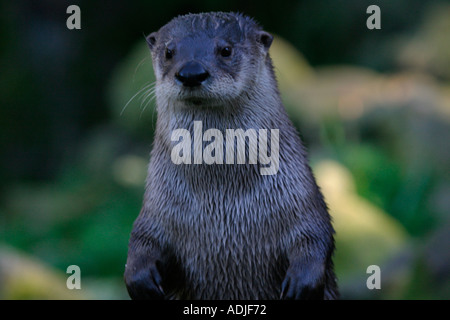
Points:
(224, 231)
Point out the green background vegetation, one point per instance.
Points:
(373, 107)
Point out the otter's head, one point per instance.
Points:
(208, 59)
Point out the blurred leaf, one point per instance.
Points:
(22, 277)
(428, 49)
(365, 235)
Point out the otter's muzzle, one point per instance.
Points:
(192, 74)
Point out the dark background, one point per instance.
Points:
(65, 145)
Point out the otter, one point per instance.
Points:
(221, 230)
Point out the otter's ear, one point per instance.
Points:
(265, 39)
(151, 39)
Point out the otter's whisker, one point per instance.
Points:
(131, 99)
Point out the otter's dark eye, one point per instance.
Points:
(226, 51)
(169, 53)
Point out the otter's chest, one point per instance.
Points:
(226, 249)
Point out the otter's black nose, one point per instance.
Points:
(192, 74)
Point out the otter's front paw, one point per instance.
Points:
(302, 284)
(144, 283)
